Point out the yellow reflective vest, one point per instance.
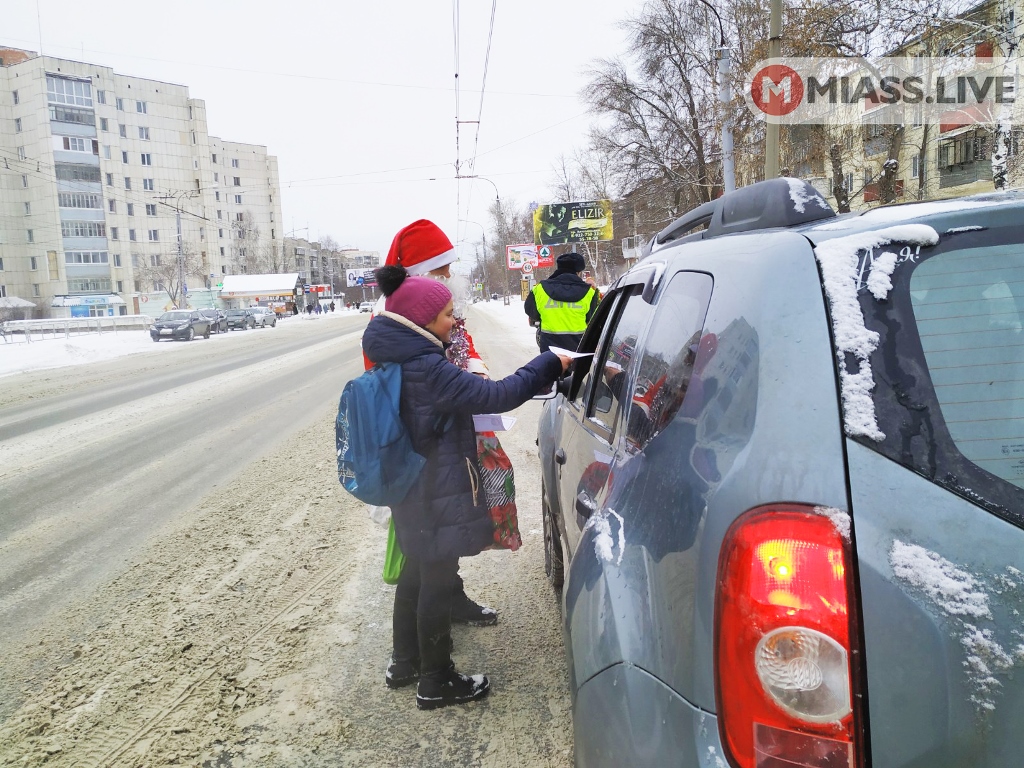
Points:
(562, 316)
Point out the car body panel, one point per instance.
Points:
(948, 673)
(263, 316)
(661, 728)
(240, 318)
(218, 320)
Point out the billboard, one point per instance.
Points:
(559, 223)
(528, 253)
(357, 277)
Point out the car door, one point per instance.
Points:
(587, 451)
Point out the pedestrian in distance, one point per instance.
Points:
(562, 305)
(444, 515)
(332, 306)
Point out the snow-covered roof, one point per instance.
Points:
(13, 302)
(259, 285)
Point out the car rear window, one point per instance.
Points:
(949, 368)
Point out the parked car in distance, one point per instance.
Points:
(263, 316)
(366, 306)
(240, 319)
(784, 499)
(218, 320)
(184, 324)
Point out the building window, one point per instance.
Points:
(113, 233)
(914, 166)
(239, 217)
(237, 181)
(220, 233)
(21, 153)
(151, 209)
(30, 235)
(154, 261)
(234, 162)
(83, 229)
(140, 106)
(131, 209)
(194, 138)
(85, 257)
(28, 209)
(220, 214)
(136, 261)
(35, 289)
(216, 178)
(214, 156)
(119, 103)
(190, 113)
(24, 180)
(112, 206)
(17, 125)
(238, 199)
(148, 184)
(143, 133)
(154, 235)
(127, 183)
(62, 91)
(131, 235)
(32, 262)
(101, 97)
(117, 259)
(222, 253)
(120, 286)
(216, 196)
(74, 144)
(104, 124)
(14, 97)
(106, 151)
(124, 158)
(147, 159)
(80, 199)
(122, 130)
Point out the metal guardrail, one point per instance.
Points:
(25, 330)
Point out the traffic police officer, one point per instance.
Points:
(562, 304)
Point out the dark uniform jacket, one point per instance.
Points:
(445, 515)
(565, 287)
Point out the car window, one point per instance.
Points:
(949, 369)
(612, 368)
(668, 355)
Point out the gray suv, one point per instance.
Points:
(784, 499)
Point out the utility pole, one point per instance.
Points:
(771, 134)
(725, 97)
(177, 198)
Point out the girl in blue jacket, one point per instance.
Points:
(444, 516)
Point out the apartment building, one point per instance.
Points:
(97, 169)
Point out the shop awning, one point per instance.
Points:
(250, 286)
(84, 301)
(13, 302)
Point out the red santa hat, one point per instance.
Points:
(420, 248)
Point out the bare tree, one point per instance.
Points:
(161, 272)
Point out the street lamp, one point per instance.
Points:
(497, 196)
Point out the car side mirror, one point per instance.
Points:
(560, 387)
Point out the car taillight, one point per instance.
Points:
(785, 636)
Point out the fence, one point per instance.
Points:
(34, 330)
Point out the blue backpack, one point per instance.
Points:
(376, 461)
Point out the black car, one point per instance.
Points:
(218, 320)
(240, 318)
(183, 324)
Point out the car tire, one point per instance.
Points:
(554, 566)
(207, 334)
(274, 324)
(191, 334)
(155, 338)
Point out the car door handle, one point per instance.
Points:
(585, 504)
(560, 456)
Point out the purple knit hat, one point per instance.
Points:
(419, 299)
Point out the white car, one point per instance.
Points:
(263, 316)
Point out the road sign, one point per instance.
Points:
(527, 267)
(544, 257)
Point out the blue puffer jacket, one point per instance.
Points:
(445, 515)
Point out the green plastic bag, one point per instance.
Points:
(394, 560)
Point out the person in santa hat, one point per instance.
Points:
(425, 251)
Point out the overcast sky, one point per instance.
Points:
(357, 100)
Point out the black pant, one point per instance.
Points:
(568, 341)
(429, 585)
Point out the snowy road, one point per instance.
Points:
(182, 580)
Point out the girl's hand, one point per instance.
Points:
(566, 362)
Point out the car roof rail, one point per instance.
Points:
(785, 202)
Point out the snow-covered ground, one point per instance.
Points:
(18, 355)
